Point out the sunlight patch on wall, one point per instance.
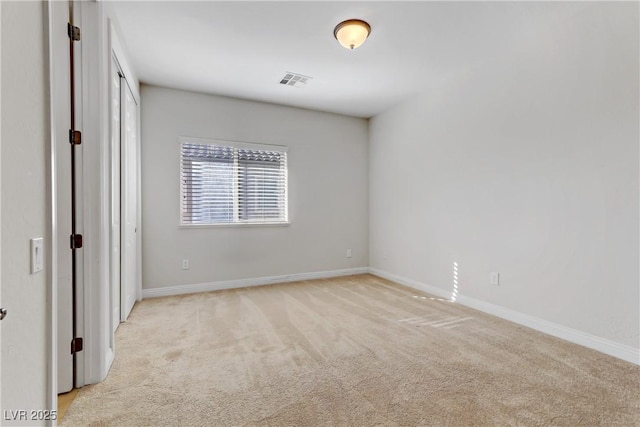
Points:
(454, 294)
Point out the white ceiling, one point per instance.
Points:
(242, 49)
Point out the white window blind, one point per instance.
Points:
(227, 184)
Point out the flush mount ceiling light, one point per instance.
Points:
(352, 33)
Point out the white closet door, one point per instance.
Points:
(129, 197)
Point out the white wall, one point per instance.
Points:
(526, 165)
(25, 133)
(328, 196)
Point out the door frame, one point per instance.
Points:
(115, 197)
(51, 248)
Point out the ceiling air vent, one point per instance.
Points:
(293, 79)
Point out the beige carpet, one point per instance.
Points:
(350, 351)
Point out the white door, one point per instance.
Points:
(60, 89)
(129, 198)
(2, 312)
(115, 191)
(1, 308)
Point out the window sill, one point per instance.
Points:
(237, 224)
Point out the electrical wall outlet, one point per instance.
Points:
(348, 253)
(494, 278)
(185, 264)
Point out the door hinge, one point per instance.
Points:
(75, 137)
(74, 32)
(76, 241)
(76, 345)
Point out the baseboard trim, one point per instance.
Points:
(245, 283)
(438, 292)
(584, 339)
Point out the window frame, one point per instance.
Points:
(235, 145)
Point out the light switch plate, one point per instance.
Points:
(37, 255)
(494, 278)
